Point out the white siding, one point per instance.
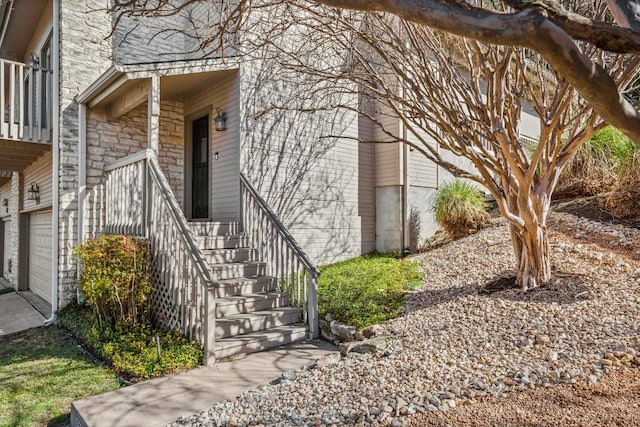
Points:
(40, 173)
(224, 185)
(6, 247)
(5, 193)
(422, 171)
(320, 185)
(387, 155)
(40, 254)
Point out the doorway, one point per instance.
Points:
(200, 169)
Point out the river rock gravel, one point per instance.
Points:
(453, 343)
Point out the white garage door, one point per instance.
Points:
(40, 254)
(6, 248)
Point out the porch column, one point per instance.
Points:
(154, 113)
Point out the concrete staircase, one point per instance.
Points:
(251, 315)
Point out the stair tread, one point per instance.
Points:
(238, 280)
(263, 335)
(249, 297)
(257, 314)
(235, 264)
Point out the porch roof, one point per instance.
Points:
(17, 155)
(129, 84)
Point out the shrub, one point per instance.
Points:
(366, 290)
(460, 208)
(624, 202)
(133, 353)
(115, 280)
(596, 167)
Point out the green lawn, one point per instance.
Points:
(42, 371)
(366, 290)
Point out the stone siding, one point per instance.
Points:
(109, 141)
(84, 56)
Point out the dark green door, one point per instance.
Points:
(200, 172)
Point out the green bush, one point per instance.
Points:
(598, 165)
(133, 352)
(460, 208)
(115, 279)
(366, 290)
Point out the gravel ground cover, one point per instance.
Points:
(454, 344)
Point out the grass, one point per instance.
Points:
(366, 290)
(459, 208)
(42, 371)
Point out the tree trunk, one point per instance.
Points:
(531, 247)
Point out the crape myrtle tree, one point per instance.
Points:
(461, 92)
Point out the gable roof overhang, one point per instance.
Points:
(18, 22)
(123, 87)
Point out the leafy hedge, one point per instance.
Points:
(366, 290)
(115, 279)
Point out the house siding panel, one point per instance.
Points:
(313, 181)
(40, 173)
(224, 185)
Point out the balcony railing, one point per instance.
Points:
(25, 99)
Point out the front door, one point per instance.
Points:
(200, 169)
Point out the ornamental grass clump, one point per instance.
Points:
(460, 208)
(115, 279)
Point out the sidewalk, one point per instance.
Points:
(16, 314)
(163, 400)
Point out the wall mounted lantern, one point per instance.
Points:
(5, 204)
(221, 120)
(34, 192)
(34, 61)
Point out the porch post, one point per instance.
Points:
(154, 113)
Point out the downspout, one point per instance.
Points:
(55, 118)
(406, 250)
(82, 182)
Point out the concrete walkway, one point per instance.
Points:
(16, 314)
(163, 400)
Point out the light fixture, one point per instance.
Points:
(34, 192)
(5, 203)
(34, 61)
(221, 120)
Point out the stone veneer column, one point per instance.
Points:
(84, 55)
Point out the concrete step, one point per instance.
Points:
(230, 270)
(246, 323)
(211, 228)
(217, 256)
(247, 303)
(243, 286)
(231, 241)
(238, 345)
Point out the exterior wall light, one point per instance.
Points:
(34, 192)
(221, 120)
(34, 61)
(5, 203)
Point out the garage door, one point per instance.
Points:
(6, 246)
(40, 254)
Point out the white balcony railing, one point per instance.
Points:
(25, 98)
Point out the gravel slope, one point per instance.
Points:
(453, 344)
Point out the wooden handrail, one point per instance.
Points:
(186, 233)
(273, 218)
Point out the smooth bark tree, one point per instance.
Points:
(407, 59)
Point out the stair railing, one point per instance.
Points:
(286, 261)
(139, 201)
